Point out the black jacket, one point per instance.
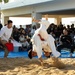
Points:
(66, 39)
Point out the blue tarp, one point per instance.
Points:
(64, 54)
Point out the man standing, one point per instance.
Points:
(42, 38)
(5, 35)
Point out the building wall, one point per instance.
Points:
(42, 7)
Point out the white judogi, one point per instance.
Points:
(49, 40)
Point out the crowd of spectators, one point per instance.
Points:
(64, 36)
(23, 35)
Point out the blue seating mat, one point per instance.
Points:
(64, 54)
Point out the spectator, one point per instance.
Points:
(33, 30)
(23, 32)
(20, 29)
(68, 28)
(16, 34)
(23, 41)
(66, 42)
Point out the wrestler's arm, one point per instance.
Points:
(34, 54)
(34, 20)
(41, 61)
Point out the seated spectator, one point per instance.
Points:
(16, 34)
(72, 28)
(23, 41)
(23, 32)
(52, 34)
(28, 39)
(68, 28)
(20, 29)
(28, 30)
(33, 30)
(66, 42)
(60, 30)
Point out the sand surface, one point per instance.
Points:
(24, 66)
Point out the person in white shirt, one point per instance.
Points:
(5, 35)
(23, 41)
(41, 39)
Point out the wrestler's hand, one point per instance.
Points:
(41, 61)
(34, 20)
(46, 16)
(42, 64)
